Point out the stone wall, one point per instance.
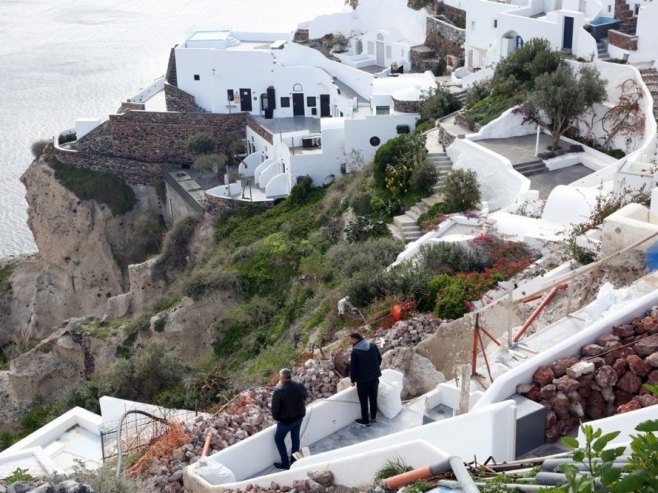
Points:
(259, 130)
(131, 171)
(622, 40)
(178, 100)
(445, 38)
(157, 137)
(218, 206)
(130, 106)
(406, 106)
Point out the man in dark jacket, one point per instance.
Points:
(288, 410)
(364, 372)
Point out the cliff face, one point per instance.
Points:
(76, 270)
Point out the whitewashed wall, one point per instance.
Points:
(359, 131)
(500, 184)
(647, 44)
(506, 125)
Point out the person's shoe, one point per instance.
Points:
(363, 422)
(281, 466)
(373, 420)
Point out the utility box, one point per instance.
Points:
(530, 424)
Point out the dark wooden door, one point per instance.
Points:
(567, 38)
(245, 99)
(325, 110)
(298, 104)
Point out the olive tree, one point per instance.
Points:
(561, 96)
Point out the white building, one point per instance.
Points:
(310, 114)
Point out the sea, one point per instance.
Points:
(67, 59)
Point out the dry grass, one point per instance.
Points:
(161, 446)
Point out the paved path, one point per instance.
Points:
(546, 182)
(519, 150)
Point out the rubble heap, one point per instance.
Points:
(407, 332)
(606, 379)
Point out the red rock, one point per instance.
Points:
(652, 378)
(591, 350)
(567, 384)
(546, 404)
(622, 397)
(585, 392)
(342, 362)
(606, 338)
(628, 340)
(581, 368)
(561, 405)
(598, 362)
(647, 400)
(623, 330)
(647, 346)
(620, 365)
(608, 394)
(632, 405)
(630, 383)
(560, 366)
(645, 325)
(551, 419)
(595, 406)
(625, 352)
(577, 409)
(530, 390)
(552, 433)
(638, 365)
(543, 376)
(652, 359)
(606, 376)
(548, 392)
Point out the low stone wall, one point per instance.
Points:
(259, 130)
(130, 106)
(406, 106)
(178, 100)
(622, 40)
(157, 137)
(131, 171)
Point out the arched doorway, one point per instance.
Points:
(380, 60)
(510, 42)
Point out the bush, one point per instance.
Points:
(461, 190)
(38, 147)
(615, 153)
(175, 250)
(440, 68)
(477, 92)
(210, 162)
(104, 480)
(423, 177)
(201, 143)
(104, 188)
(368, 256)
(360, 203)
(390, 153)
(199, 284)
(146, 238)
(65, 139)
(301, 190)
(437, 103)
(151, 370)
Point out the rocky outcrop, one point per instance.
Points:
(78, 265)
(53, 368)
(420, 375)
(606, 379)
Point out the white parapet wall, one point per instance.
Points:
(505, 384)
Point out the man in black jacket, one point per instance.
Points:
(364, 372)
(288, 410)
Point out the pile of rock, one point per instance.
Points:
(318, 482)
(67, 486)
(407, 332)
(606, 379)
(246, 415)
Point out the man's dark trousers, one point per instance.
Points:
(282, 429)
(367, 392)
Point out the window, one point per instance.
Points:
(314, 111)
(382, 110)
(375, 141)
(636, 9)
(495, 23)
(229, 94)
(197, 77)
(297, 88)
(285, 102)
(310, 101)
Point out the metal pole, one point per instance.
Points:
(461, 473)
(537, 143)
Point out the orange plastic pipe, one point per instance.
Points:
(395, 482)
(539, 309)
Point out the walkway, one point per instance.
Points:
(519, 150)
(546, 182)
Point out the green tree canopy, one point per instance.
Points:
(561, 96)
(201, 143)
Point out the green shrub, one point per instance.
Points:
(19, 475)
(210, 162)
(490, 108)
(389, 469)
(104, 188)
(38, 147)
(360, 203)
(477, 92)
(175, 250)
(301, 190)
(367, 256)
(65, 139)
(104, 480)
(615, 153)
(363, 227)
(201, 143)
(148, 372)
(200, 283)
(6, 271)
(440, 68)
(390, 153)
(450, 258)
(437, 103)
(146, 236)
(423, 177)
(451, 296)
(461, 190)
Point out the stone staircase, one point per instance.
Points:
(602, 48)
(531, 168)
(423, 58)
(301, 36)
(628, 19)
(406, 226)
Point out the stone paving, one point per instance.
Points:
(546, 182)
(521, 149)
